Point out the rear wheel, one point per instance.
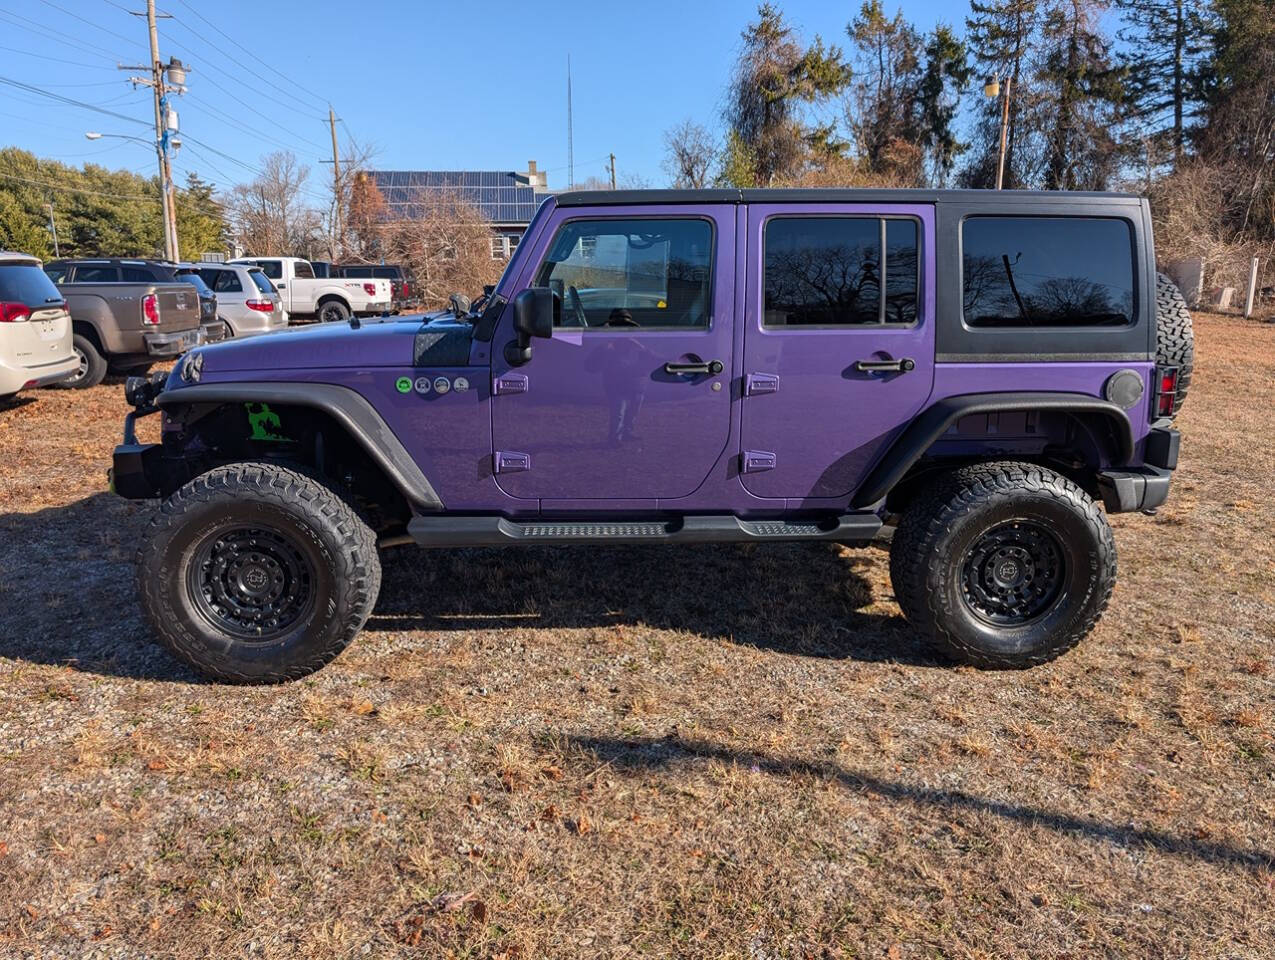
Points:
(333, 311)
(92, 368)
(1004, 565)
(255, 573)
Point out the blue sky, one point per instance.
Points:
(432, 85)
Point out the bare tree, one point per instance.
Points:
(270, 214)
(356, 158)
(690, 155)
(446, 247)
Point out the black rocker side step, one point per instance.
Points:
(501, 531)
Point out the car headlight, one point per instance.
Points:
(192, 366)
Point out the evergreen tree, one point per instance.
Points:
(883, 108)
(1167, 47)
(946, 73)
(201, 224)
(776, 75)
(1080, 95)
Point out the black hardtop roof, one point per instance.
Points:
(592, 198)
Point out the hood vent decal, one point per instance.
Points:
(442, 348)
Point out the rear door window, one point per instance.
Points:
(87, 273)
(303, 271)
(840, 271)
(1047, 272)
(26, 283)
(224, 281)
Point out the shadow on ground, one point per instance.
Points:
(628, 755)
(68, 595)
(797, 598)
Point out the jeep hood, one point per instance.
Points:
(372, 343)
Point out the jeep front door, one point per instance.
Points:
(629, 399)
(838, 342)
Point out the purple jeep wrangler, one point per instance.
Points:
(975, 371)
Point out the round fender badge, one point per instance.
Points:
(442, 384)
(422, 385)
(403, 385)
(460, 384)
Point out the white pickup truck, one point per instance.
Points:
(306, 296)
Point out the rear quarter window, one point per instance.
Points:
(261, 280)
(1047, 272)
(26, 283)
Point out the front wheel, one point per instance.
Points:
(255, 573)
(333, 311)
(1004, 565)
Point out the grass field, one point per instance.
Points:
(621, 752)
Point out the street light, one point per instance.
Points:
(992, 90)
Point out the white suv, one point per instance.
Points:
(35, 328)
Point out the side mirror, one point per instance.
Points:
(533, 317)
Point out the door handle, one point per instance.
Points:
(711, 367)
(902, 365)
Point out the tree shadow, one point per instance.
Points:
(68, 594)
(624, 755)
(796, 598)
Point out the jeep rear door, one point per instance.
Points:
(630, 399)
(838, 342)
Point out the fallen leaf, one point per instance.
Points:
(99, 838)
(475, 800)
(478, 910)
(364, 709)
(103, 933)
(157, 765)
(4, 849)
(32, 912)
(552, 772)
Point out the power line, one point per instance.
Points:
(70, 100)
(41, 30)
(65, 189)
(70, 63)
(322, 100)
(236, 122)
(95, 26)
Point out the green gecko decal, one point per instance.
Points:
(263, 421)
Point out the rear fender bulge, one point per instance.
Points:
(349, 409)
(927, 428)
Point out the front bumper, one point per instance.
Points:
(172, 344)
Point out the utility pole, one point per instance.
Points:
(613, 171)
(165, 123)
(571, 159)
(53, 229)
(336, 188)
(1000, 166)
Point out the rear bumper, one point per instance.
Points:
(212, 331)
(1145, 487)
(375, 309)
(13, 379)
(172, 344)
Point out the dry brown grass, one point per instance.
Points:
(703, 752)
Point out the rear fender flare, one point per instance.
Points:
(349, 409)
(925, 429)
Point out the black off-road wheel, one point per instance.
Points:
(256, 573)
(333, 311)
(1174, 336)
(92, 368)
(1004, 565)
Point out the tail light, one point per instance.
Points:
(150, 309)
(265, 306)
(1166, 391)
(369, 289)
(405, 291)
(14, 312)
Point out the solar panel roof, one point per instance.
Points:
(503, 198)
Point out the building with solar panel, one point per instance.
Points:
(507, 199)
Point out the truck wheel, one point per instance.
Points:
(255, 573)
(333, 311)
(1174, 337)
(1004, 565)
(92, 369)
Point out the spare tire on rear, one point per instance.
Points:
(1174, 338)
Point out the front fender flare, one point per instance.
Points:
(935, 421)
(349, 409)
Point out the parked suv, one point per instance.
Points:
(122, 318)
(400, 287)
(983, 372)
(247, 301)
(35, 329)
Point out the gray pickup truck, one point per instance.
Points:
(128, 326)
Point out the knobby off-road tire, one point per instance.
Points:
(1174, 337)
(256, 573)
(92, 370)
(1042, 532)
